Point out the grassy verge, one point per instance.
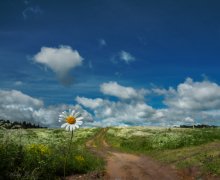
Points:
(183, 148)
(206, 157)
(39, 153)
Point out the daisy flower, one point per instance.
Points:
(72, 118)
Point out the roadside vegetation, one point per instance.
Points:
(184, 148)
(39, 153)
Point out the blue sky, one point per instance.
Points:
(135, 44)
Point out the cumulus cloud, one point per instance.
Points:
(14, 97)
(90, 103)
(162, 91)
(189, 120)
(189, 103)
(61, 60)
(198, 96)
(114, 89)
(126, 57)
(48, 116)
(17, 106)
(118, 113)
(130, 109)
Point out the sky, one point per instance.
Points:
(118, 62)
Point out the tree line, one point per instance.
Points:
(6, 124)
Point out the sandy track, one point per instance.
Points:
(124, 166)
(131, 167)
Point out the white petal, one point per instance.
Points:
(71, 128)
(77, 114)
(76, 126)
(61, 118)
(72, 113)
(68, 113)
(79, 118)
(64, 125)
(64, 113)
(79, 122)
(67, 127)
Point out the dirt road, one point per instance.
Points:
(128, 166)
(124, 166)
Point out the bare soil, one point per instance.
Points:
(124, 166)
(133, 167)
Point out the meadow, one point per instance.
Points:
(40, 153)
(182, 148)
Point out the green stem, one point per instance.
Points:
(64, 168)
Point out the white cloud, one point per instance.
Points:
(90, 65)
(118, 113)
(61, 60)
(162, 91)
(18, 83)
(191, 102)
(114, 89)
(189, 120)
(16, 106)
(26, 2)
(197, 96)
(90, 103)
(126, 57)
(48, 116)
(102, 42)
(17, 98)
(130, 109)
(31, 11)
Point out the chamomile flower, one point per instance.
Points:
(72, 118)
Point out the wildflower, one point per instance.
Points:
(72, 119)
(38, 148)
(80, 159)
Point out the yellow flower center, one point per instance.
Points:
(71, 120)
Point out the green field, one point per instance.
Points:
(40, 153)
(183, 148)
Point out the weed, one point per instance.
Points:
(182, 147)
(39, 155)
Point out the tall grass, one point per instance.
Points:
(39, 154)
(183, 148)
(160, 139)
